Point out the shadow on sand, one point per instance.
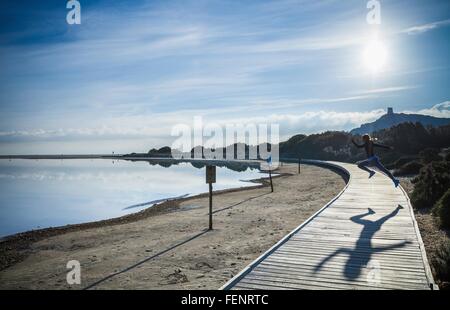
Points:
(145, 260)
(360, 255)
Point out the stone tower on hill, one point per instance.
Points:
(391, 119)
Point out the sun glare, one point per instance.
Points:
(375, 56)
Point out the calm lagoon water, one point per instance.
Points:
(44, 193)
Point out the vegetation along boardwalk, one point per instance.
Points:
(365, 238)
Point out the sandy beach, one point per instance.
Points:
(167, 247)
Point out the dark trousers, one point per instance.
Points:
(374, 161)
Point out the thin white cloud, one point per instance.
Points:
(298, 44)
(426, 27)
(285, 103)
(386, 89)
(313, 122)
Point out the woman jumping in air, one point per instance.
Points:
(373, 159)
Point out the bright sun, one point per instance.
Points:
(375, 56)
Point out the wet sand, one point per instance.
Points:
(167, 247)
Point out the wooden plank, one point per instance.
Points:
(320, 280)
(339, 264)
(328, 238)
(354, 261)
(311, 244)
(291, 283)
(389, 275)
(347, 251)
(300, 250)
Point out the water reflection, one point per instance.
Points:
(43, 193)
(200, 164)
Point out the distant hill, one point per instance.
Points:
(392, 119)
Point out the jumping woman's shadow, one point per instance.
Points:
(360, 255)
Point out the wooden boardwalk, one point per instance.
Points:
(365, 238)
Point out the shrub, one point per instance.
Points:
(441, 262)
(442, 209)
(164, 150)
(403, 160)
(431, 184)
(429, 154)
(409, 168)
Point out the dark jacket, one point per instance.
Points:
(369, 147)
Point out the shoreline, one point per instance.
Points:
(132, 158)
(21, 240)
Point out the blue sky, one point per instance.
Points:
(133, 69)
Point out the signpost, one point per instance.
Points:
(210, 179)
(269, 163)
(270, 177)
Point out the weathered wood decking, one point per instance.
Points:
(365, 238)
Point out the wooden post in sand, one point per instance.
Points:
(269, 165)
(210, 179)
(270, 177)
(210, 207)
(299, 161)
